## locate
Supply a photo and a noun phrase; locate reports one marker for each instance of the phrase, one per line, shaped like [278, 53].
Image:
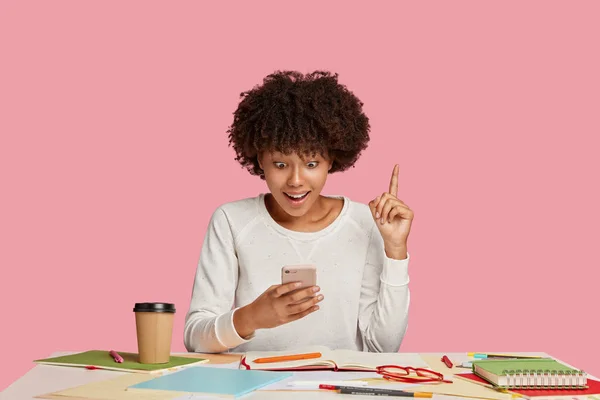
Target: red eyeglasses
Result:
[402, 374]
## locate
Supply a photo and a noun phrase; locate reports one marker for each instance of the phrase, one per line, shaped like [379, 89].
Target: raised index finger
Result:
[394, 181]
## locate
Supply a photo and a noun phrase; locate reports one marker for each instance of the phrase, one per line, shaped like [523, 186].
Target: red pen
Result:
[447, 361]
[116, 356]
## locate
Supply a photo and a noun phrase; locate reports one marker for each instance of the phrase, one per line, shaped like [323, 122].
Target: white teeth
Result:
[296, 196]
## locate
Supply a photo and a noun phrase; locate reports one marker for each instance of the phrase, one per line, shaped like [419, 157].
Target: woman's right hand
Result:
[278, 305]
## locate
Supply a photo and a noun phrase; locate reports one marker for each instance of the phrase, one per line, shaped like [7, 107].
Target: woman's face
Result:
[294, 182]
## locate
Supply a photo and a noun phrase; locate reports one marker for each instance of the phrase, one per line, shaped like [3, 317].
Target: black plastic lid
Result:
[154, 307]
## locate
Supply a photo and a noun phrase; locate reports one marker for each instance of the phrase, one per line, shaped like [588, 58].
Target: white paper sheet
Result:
[319, 377]
[233, 365]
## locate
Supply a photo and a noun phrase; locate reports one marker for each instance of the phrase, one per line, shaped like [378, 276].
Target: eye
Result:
[279, 165]
[313, 164]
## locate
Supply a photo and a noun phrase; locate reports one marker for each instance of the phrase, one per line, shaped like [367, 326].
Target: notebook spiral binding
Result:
[544, 379]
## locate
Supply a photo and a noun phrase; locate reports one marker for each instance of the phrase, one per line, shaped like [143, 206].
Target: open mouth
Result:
[297, 197]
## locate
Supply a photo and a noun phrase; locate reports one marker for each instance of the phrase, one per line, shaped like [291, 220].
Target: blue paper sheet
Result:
[207, 380]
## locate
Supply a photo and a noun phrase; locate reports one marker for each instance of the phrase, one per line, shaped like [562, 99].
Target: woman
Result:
[293, 131]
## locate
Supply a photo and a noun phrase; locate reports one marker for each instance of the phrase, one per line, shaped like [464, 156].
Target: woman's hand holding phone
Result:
[278, 305]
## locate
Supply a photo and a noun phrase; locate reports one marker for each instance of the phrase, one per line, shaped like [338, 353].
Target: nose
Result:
[295, 179]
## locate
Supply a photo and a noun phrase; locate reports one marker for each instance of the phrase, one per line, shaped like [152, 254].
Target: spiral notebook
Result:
[593, 389]
[530, 374]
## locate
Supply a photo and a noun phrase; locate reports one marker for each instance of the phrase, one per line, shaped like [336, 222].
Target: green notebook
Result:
[540, 373]
[101, 359]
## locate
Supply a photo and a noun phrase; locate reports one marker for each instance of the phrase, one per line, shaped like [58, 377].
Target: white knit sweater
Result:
[366, 293]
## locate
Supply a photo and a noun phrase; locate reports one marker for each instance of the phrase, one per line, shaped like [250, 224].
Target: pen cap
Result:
[154, 307]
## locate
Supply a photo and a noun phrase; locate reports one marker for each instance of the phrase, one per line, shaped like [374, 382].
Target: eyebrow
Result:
[278, 155]
[308, 160]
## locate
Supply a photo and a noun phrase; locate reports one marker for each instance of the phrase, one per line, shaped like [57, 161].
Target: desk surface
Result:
[44, 379]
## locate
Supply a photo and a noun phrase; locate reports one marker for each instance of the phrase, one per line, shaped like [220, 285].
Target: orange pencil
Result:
[292, 357]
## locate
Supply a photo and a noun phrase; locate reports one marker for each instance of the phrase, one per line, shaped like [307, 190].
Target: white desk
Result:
[44, 379]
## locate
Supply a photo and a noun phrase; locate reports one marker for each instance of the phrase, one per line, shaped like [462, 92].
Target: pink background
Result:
[114, 154]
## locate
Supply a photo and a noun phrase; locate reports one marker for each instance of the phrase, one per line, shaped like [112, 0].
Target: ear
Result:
[259, 158]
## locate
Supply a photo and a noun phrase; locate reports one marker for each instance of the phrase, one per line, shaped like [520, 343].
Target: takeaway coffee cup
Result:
[154, 325]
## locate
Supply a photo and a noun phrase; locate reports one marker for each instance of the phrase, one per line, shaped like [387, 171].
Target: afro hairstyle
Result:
[303, 114]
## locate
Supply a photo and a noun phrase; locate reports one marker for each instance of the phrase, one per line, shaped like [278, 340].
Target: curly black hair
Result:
[307, 114]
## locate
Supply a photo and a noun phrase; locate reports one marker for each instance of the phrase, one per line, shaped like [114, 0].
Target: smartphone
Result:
[305, 273]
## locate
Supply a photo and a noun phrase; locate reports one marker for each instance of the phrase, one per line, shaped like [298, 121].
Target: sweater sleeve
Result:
[384, 298]
[209, 322]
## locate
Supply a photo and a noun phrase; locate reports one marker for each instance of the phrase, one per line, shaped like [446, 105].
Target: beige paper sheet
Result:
[111, 389]
[115, 388]
[458, 387]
